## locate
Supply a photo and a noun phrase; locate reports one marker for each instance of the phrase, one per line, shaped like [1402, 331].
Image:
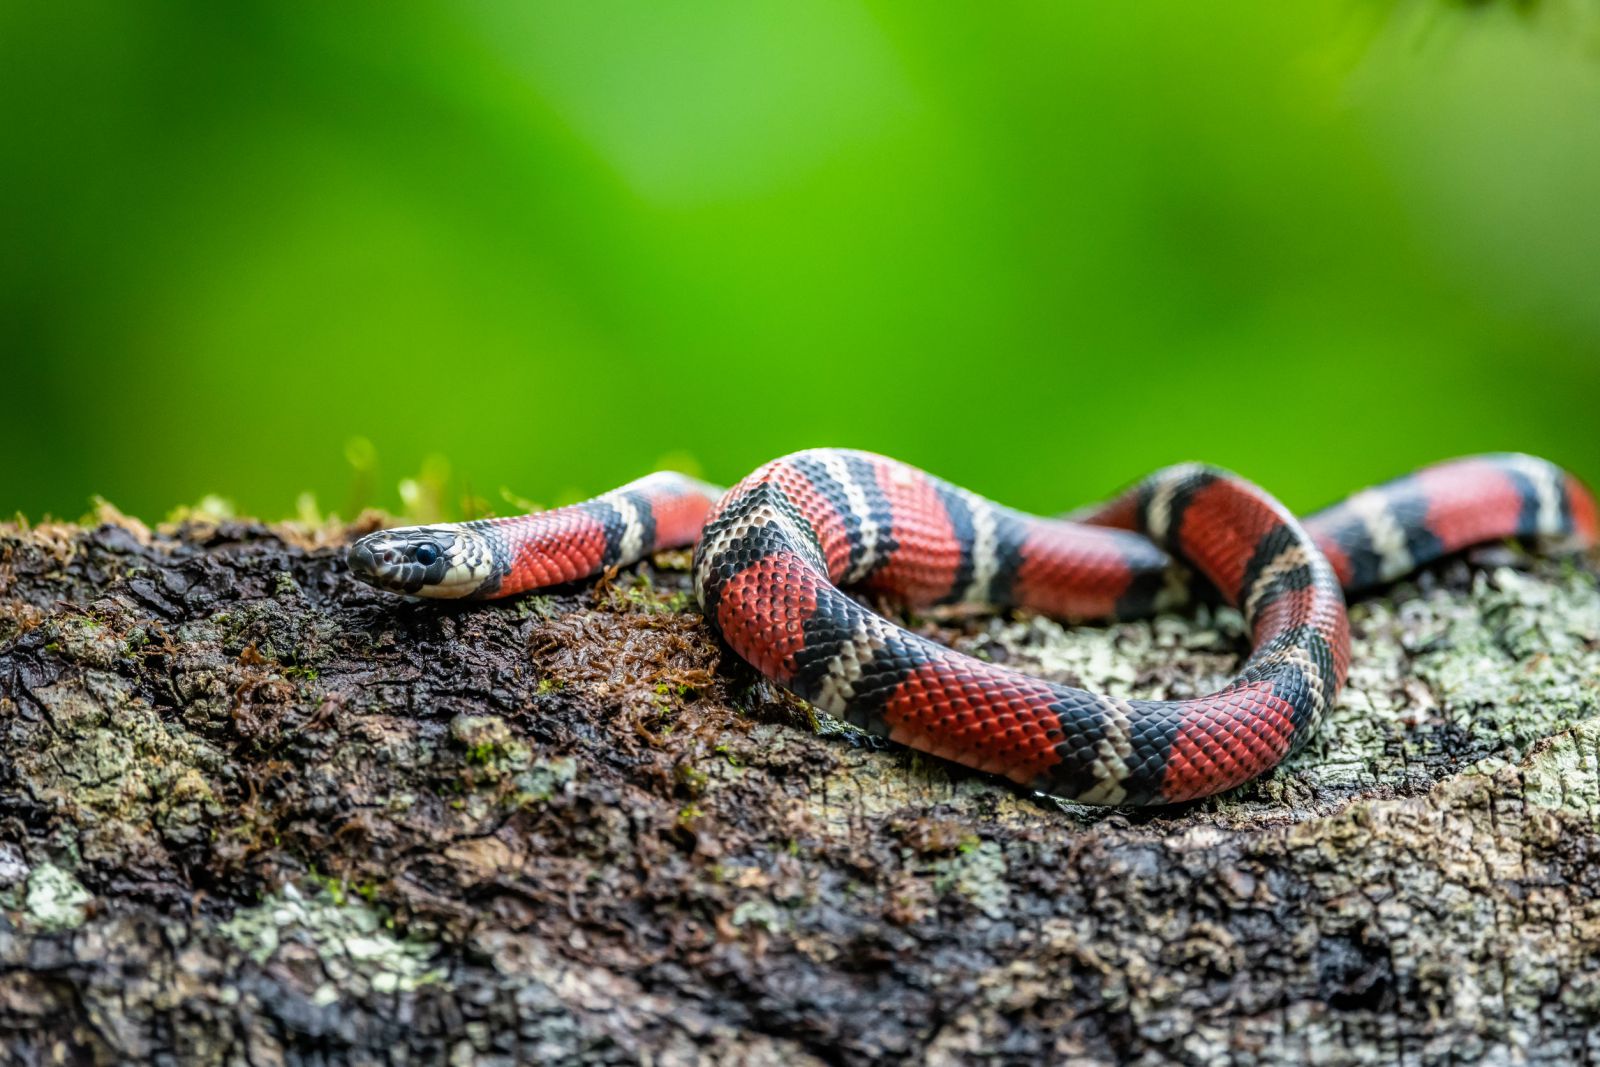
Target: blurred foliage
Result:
[463, 256]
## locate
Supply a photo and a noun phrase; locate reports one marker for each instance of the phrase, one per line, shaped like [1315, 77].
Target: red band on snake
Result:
[772, 553]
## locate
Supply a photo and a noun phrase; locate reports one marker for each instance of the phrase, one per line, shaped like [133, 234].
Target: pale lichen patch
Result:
[1520, 657]
[347, 938]
[1563, 772]
[545, 778]
[490, 744]
[977, 870]
[126, 772]
[55, 899]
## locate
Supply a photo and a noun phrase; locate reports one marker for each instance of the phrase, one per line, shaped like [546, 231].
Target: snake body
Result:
[772, 553]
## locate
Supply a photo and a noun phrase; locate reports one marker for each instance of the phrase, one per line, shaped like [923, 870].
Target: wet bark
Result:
[253, 812]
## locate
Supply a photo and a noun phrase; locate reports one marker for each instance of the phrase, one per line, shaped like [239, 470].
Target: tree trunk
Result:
[254, 812]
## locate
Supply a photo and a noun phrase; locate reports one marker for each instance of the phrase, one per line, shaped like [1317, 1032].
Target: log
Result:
[253, 812]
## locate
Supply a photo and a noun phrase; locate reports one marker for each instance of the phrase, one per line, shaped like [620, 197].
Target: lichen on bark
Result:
[253, 812]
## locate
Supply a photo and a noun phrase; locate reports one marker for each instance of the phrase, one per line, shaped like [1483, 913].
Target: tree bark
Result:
[252, 812]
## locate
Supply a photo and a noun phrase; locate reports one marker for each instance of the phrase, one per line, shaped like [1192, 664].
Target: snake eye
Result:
[427, 553]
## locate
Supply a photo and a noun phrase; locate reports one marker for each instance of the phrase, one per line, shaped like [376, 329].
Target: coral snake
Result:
[772, 552]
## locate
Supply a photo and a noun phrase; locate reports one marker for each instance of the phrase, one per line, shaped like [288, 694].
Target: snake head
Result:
[430, 561]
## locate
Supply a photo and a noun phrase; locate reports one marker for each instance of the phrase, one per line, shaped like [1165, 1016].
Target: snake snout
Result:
[362, 560]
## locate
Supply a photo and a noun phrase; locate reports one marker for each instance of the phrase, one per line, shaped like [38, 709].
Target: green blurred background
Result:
[527, 251]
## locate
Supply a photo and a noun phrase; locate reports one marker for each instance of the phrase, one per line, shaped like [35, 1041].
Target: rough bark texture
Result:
[253, 812]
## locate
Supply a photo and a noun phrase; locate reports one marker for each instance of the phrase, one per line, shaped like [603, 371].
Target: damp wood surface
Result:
[253, 812]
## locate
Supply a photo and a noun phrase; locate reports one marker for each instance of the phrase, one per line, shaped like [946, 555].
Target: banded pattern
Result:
[1385, 532]
[773, 551]
[502, 557]
[662, 510]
